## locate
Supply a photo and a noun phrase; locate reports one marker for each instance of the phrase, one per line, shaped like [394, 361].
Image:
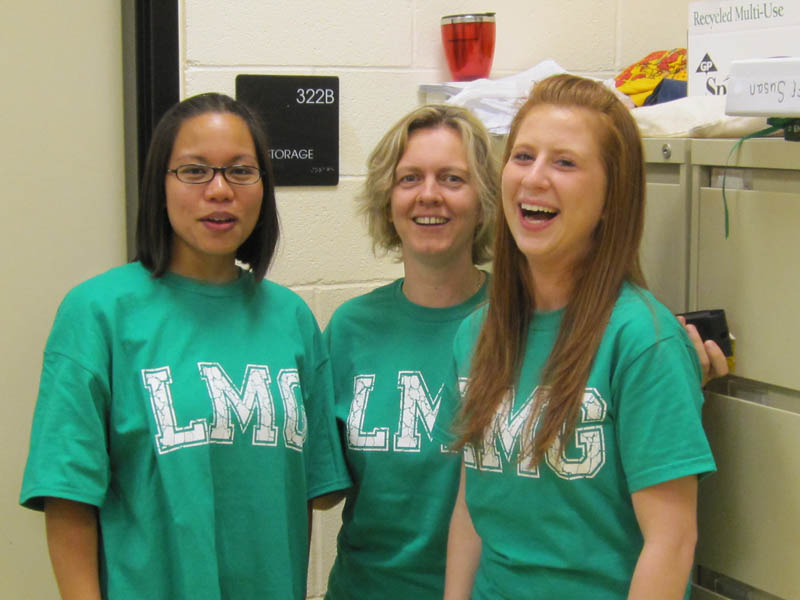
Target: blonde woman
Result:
[430, 198]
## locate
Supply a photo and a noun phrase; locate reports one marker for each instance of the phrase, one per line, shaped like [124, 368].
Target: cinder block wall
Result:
[382, 51]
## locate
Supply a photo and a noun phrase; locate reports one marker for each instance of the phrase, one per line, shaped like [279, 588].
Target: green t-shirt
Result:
[567, 528]
[198, 419]
[390, 361]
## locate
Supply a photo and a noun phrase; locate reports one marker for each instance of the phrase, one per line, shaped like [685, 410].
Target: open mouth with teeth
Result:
[219, 220]
[537, 212]
[430, 220]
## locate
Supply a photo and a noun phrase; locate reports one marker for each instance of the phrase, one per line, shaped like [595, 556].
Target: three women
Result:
[226, 485]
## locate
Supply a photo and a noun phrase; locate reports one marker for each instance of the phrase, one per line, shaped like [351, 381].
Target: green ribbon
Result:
[775, 124]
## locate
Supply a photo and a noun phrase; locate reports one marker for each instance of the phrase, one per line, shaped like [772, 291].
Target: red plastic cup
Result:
[469, 44]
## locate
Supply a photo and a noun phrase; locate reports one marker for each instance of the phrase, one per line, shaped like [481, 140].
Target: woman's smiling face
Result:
[554, 187]
[434, 206]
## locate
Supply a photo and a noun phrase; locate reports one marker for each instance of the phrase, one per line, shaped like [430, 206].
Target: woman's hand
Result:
[712, 359]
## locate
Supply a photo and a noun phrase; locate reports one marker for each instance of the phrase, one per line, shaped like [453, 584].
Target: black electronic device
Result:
[711, 325]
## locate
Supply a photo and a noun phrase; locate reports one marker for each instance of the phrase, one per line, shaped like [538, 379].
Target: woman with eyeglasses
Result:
[184, 418]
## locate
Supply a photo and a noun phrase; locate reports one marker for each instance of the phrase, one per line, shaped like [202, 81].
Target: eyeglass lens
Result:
[237, 174]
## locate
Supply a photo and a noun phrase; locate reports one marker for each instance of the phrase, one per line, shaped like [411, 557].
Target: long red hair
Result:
[612, 260]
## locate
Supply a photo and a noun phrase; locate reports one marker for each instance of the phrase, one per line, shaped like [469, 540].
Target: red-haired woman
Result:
[581, 420]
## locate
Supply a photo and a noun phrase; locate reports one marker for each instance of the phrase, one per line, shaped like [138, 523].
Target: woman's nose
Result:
[218, 188]
[536, 173]
[430, 191]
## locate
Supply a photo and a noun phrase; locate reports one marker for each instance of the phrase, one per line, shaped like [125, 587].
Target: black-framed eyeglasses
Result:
[235, 174]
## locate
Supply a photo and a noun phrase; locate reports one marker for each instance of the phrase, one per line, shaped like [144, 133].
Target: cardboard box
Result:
[764, 87]
[723, 31]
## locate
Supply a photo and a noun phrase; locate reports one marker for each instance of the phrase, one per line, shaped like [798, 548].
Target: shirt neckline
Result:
[447, 313]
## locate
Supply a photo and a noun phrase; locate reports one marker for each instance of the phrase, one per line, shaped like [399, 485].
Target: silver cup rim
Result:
[487, 17]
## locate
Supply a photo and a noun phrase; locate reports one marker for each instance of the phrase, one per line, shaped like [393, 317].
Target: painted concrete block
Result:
[307, 32]
[324, 240]
[371, 102]
[650, 26]
[328, 299]
[323, 548]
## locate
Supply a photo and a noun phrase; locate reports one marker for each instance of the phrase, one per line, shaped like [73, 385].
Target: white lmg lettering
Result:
[507, 426]
[228, 400]
[357, 438]
[418, 412]
[416, 406]
[506, 429]
[589, 439]
[469, 451]
[294, 427]
[170, 437]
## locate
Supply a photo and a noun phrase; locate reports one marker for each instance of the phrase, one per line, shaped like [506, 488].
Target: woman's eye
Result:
[241, 170]
[565, 162]
[523, 156]
[408, 178]
[193, 173]
[194, 170]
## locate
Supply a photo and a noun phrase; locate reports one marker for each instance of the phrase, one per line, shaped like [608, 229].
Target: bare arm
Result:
[72, 541]
[667, 516]
[463, 549]
[328, 501]
[310, 509]
[712, 359]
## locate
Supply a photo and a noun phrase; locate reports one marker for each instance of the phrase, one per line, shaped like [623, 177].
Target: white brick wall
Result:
[382, 51]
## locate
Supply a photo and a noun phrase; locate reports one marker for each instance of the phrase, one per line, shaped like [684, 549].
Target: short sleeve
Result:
[68, 455]
[659, 425]
[325, 462]
[456, 379]
[337, 343]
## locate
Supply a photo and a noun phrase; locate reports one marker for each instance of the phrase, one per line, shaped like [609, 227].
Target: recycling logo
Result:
[706, 65]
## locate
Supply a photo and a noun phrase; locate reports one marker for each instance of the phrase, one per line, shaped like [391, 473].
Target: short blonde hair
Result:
[376, 196]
